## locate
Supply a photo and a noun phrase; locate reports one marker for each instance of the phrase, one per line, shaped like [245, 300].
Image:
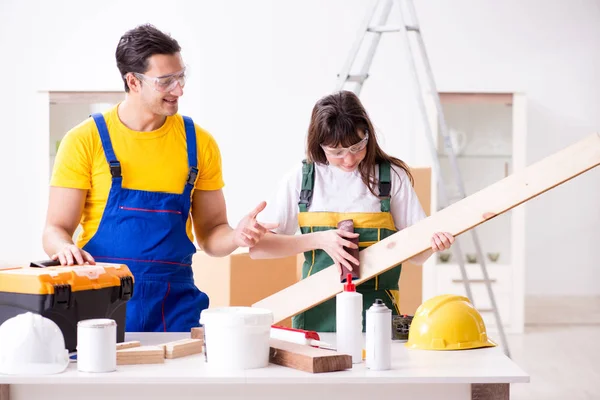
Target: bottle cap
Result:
[349, 286]
[379, 306]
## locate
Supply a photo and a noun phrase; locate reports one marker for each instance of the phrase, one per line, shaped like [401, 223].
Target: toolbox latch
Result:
[126, 288]
[62, 296]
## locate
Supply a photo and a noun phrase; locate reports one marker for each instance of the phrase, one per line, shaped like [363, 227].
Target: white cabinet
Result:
[488, 133]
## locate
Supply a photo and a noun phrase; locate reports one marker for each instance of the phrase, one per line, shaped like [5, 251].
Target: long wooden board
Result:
[307, 358]
[457, 218]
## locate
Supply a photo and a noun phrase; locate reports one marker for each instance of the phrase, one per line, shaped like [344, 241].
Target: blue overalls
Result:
[147, 232]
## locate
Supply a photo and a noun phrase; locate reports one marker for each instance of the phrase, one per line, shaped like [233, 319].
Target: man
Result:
[133, 176]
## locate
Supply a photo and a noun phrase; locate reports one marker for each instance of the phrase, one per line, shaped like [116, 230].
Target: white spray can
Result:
[378, 337]
[348, 315]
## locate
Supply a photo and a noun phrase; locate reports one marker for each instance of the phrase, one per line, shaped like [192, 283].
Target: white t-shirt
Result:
[336, 190]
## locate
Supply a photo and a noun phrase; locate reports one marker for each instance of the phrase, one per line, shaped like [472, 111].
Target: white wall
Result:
[259, 66]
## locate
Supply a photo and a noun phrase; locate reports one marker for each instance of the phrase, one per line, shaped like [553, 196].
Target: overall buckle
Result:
[385, 189]
[115, 169]
[305, 196]
[192, 175]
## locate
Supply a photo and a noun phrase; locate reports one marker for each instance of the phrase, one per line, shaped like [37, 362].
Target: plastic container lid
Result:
[96, 323]
[237, 316]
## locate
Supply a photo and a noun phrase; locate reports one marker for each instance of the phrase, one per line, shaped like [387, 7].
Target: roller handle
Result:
[45, 263]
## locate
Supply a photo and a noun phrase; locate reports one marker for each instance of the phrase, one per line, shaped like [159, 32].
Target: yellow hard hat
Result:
[447, 322]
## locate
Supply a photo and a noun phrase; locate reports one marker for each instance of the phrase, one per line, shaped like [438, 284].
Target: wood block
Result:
[141, 355]
[457, 218]
[128, 345]
[307, 358]
[182, 348]
[197, 333]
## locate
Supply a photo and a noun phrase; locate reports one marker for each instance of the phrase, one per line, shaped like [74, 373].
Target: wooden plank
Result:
[183, 348]
[457, 218]
[141, 355]
[128, 345]
[307, 358]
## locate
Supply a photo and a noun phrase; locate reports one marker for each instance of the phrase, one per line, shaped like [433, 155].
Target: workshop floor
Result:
[560, 349]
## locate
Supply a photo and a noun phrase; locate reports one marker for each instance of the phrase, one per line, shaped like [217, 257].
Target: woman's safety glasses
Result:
[164, 84]
[342, 152]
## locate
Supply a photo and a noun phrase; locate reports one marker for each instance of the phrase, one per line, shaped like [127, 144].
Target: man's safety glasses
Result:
[342, 152]
[164, 84]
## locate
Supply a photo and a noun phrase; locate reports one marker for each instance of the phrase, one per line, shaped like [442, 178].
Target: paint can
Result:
[378, 336]
[236, 338]
[97, 345]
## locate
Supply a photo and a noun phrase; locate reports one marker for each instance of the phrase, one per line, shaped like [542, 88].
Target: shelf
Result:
[475, 156]
[473, 265]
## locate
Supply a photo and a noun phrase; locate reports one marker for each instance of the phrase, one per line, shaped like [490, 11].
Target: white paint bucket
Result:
[236, 338]
[97, 345]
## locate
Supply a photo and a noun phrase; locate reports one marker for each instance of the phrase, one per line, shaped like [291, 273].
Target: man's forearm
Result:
[278, 246]
[218, 241]
[54, 239]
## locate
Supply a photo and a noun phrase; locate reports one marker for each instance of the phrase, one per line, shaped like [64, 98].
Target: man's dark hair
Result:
[137, 45]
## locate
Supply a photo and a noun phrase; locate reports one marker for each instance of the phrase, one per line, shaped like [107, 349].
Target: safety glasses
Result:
[164, 84]
[342, 152]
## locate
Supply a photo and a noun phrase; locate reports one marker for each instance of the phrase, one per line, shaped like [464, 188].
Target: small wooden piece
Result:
[307, 358]
[197, 333]
[476, 209]
[128, 345]
[182, 348]
[348, 226]
[141, 355]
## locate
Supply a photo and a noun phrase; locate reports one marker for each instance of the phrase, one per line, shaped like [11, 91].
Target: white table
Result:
[415, 374]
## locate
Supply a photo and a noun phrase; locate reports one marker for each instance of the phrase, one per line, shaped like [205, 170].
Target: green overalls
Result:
[371, 227]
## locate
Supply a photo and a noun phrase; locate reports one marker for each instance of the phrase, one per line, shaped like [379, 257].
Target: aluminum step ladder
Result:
[375, 27]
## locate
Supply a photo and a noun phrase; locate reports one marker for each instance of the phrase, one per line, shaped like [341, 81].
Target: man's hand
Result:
[249, 231]
[73, 255]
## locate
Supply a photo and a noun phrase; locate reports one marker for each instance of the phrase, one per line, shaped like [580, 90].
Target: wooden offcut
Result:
[141, 355]
[307, 358]
[128, 345]
[197, 333]
[457, 218]
[182, 348]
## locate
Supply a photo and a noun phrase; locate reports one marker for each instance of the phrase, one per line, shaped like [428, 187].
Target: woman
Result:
[346, 176]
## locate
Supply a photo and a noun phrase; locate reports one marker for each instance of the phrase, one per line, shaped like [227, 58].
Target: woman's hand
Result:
[441, 241]
[333, 242]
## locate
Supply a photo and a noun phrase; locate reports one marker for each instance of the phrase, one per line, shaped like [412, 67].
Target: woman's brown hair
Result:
[336, 120]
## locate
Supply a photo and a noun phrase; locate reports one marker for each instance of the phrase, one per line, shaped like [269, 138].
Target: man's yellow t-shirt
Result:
[153, 161]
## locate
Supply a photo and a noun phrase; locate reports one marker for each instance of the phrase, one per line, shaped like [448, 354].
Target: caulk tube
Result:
[378, 336]
[348, 315]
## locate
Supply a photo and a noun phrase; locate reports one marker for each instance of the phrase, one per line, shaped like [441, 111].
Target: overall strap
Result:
[308, 182]
[114, 164]
[385, 186]
[190, 135]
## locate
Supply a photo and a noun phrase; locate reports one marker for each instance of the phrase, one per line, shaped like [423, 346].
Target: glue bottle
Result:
[348, 314]
[378, 336]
